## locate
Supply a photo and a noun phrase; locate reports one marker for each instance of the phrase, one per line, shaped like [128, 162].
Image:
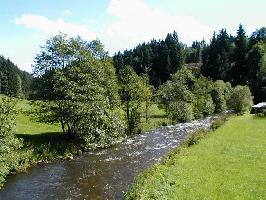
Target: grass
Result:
[26, 125]
[46, 142]
[157, 118]
[229, 164]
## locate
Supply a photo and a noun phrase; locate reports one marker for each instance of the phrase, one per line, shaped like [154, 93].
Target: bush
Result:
[180, 111]
[218, 122]
[9, 144]
[240, 100]
[195, 137]
[218, 96]
[262, 114]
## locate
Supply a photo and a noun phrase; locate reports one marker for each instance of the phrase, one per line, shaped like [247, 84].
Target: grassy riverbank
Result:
[229, 164]
[45, 141]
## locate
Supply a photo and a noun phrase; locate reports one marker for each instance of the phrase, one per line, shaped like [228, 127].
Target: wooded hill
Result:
[240, 60]
[13, 81]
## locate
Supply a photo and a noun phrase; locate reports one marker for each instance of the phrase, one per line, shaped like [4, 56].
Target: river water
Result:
[101, 174]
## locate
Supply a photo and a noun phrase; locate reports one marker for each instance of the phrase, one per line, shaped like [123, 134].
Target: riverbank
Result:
[104, 173]
[228, 164]
[45, 143]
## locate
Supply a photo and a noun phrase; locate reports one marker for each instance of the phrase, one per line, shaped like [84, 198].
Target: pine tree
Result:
[240, 70]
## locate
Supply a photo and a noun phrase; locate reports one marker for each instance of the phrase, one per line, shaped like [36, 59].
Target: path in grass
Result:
[229, 164]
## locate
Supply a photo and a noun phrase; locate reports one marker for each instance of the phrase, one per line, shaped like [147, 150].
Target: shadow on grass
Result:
[48, 146]
[44, 138]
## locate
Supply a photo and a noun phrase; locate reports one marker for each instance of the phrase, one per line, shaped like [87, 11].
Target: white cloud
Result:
[137, 22]
[50, 27]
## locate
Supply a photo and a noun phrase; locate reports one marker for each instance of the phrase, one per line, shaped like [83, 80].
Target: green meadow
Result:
[230, 163]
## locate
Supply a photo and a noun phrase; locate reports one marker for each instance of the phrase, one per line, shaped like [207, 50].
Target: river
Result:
[101, 174]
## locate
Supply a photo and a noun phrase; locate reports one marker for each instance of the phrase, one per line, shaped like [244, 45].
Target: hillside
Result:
[13, 81]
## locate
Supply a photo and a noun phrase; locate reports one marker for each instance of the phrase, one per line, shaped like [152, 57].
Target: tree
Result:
[240, 100]
[217, 57]
[83, 94]
[240, 70]
[257, 71]
[159, 58]
[177, 92]
[219, 95]
[13, 82]
[203, 104]
[18, 86]
[258, 36]
[10, 145]
[133, 92]
[147, 89]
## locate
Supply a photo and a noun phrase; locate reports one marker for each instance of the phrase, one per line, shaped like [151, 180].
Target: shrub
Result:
[240, 100]
[262, 114]
[218, 96]
[180, 111]
[9, 144]
[195, 137]
[218, 122]
[202, 102]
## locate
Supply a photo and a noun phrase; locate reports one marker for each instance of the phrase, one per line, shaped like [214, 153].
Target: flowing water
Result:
[102, 174]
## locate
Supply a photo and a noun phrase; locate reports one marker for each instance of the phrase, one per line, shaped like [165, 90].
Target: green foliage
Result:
[133, 90]
[262, 114]
[219, 122]
[82, 91]
[9, 144]
[203, 104]
[180, 111]
[217, 57]
[13, 82]
[195, 137]
[257, 70]
[240, 100]
[159, 58]
[176, 93]
[240, 68]
[186, 97]
[220, 94]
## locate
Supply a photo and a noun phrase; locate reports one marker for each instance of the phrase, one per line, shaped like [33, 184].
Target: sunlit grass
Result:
[229, 164]
[26, 125]
[157, 117]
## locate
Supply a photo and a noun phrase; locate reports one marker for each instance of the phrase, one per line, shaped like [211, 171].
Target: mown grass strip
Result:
[229, 164]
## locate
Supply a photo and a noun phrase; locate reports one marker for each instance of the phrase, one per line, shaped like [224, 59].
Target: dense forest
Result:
[240, 60]
[13, 81]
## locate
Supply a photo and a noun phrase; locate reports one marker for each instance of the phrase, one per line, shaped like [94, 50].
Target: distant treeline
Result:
[240, 60]
[13, 81]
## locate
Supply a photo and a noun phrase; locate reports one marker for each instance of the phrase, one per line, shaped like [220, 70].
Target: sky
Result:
[25, 25]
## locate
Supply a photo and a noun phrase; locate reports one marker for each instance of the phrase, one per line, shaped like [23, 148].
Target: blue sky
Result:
[119, 24]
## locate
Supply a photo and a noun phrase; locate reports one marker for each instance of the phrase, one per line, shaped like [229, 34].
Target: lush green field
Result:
[229, 164]
[26, 125]
[156, 118]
